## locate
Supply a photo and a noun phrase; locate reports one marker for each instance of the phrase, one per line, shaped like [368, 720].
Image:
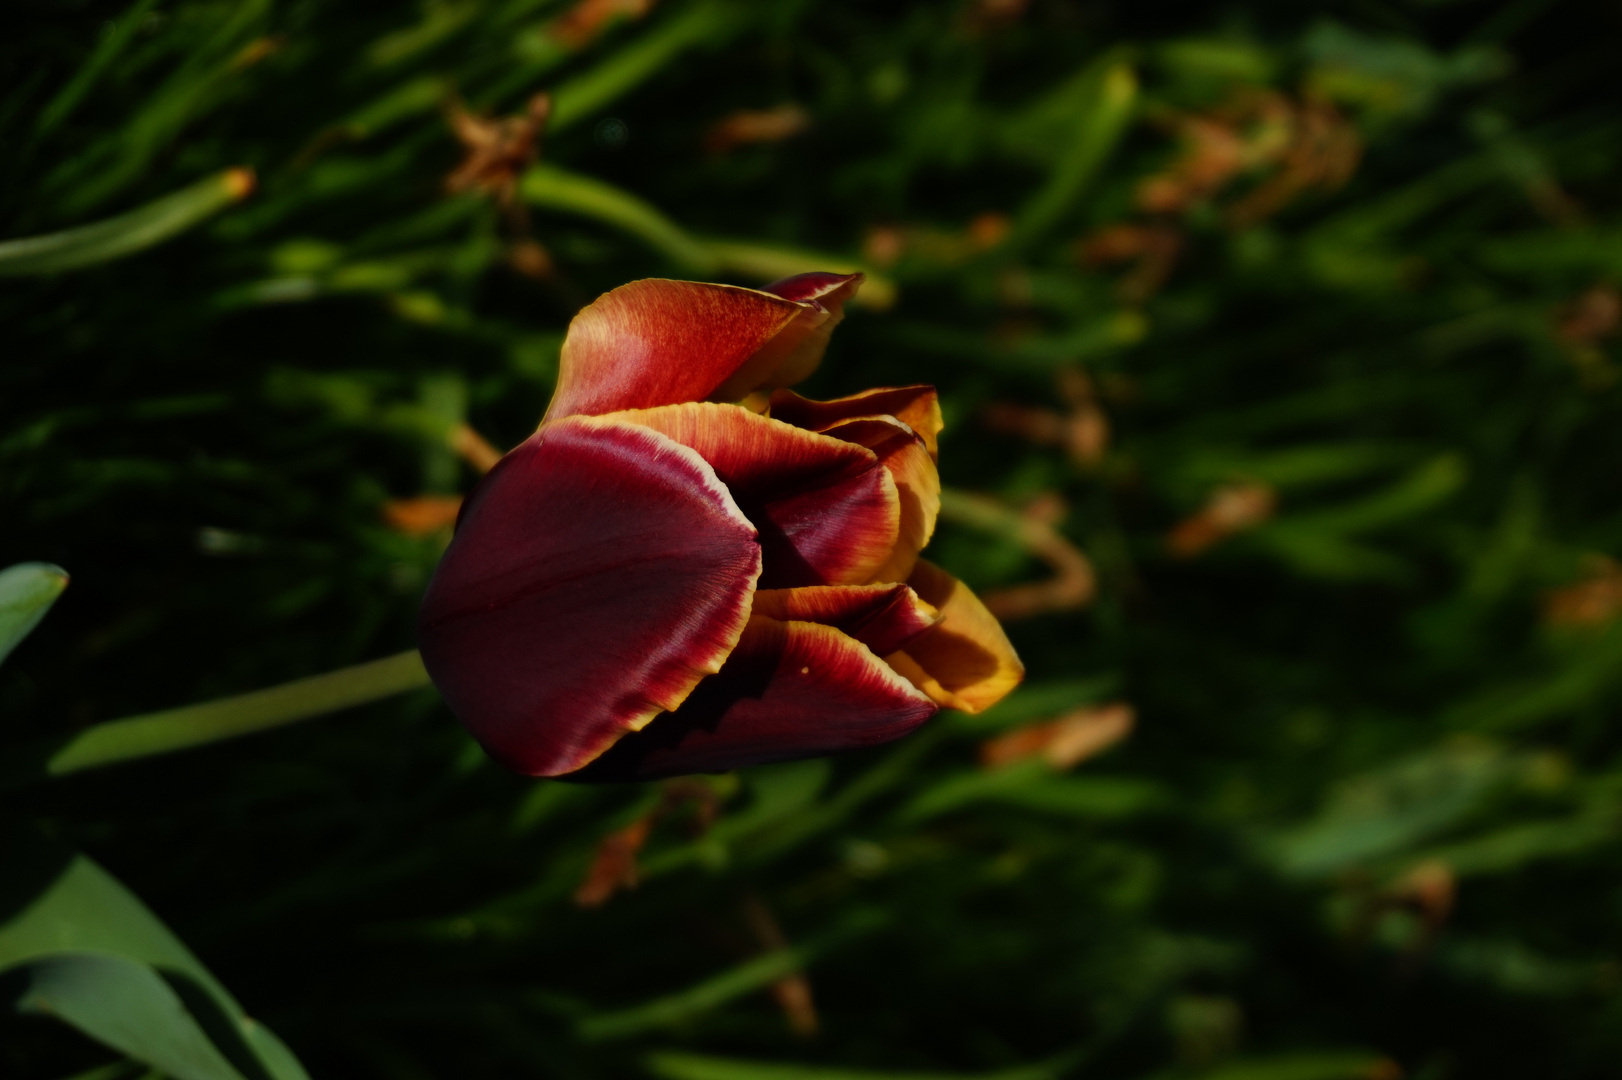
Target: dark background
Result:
[1351, 268]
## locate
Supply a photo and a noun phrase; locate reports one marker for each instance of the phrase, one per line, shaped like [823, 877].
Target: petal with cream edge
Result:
[789, 690]
[827, 509]
[915, 406]
[966, 661]
[662, 342]
[597, 574]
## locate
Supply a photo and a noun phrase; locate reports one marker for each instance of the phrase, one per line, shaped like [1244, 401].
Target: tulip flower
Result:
[664, 579]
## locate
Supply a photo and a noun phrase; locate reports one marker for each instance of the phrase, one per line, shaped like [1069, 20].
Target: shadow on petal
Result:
[966, 662]
[790, 690]
[827, 509]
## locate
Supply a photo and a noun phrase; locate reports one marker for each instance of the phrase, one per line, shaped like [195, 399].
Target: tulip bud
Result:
[660, 581]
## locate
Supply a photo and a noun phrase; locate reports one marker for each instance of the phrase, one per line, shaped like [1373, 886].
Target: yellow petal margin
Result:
[966, 662]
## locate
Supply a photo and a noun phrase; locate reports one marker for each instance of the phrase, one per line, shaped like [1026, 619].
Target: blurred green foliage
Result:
[1301, 322]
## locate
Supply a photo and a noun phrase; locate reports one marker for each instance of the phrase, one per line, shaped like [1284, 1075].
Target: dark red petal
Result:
[882, 617]
[966, 662]
[828, 289]
[827, 509]
[918, 485]
[790, 690]
[659, 342]
[915, 406]
[597, 574]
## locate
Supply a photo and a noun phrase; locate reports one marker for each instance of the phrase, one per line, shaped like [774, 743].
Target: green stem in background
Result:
[552, 188]
[128, 233]
[226, 718]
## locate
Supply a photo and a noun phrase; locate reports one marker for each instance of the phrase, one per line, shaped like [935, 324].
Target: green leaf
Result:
[54, 901]
[27, 592]
[127, 233]
[127, 1006]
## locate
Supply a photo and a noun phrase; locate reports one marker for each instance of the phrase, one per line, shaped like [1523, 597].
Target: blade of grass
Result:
[148, 735]
[128, 233]
[583, 95]
[1098, 128]
[113, 41]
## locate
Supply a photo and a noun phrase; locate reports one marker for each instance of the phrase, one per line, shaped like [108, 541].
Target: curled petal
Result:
[965, 662]
[828, 511]
[915, 406]
[597, 574]
[917, 481]
[882, 617]
[798, 351]
[659, 342]
[789, 690]
[830, 290]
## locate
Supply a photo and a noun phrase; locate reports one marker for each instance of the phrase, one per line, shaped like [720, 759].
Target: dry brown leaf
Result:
[989, 229]
[792, 992]
[1323, 152]
[1082, 431]
[1064, 742]
[1430, 887]
[423, 515]
[1154, 249]
[581, 24]
[1299, 145]
[613, 866]
[498, 150]
[884, 245]
[532, 260]
[1592, 602]
[1231, 509]
[1594, 315]
[748, 126]
[1073, 582]
[983, 16]
[473, 448]
[1213, 153]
